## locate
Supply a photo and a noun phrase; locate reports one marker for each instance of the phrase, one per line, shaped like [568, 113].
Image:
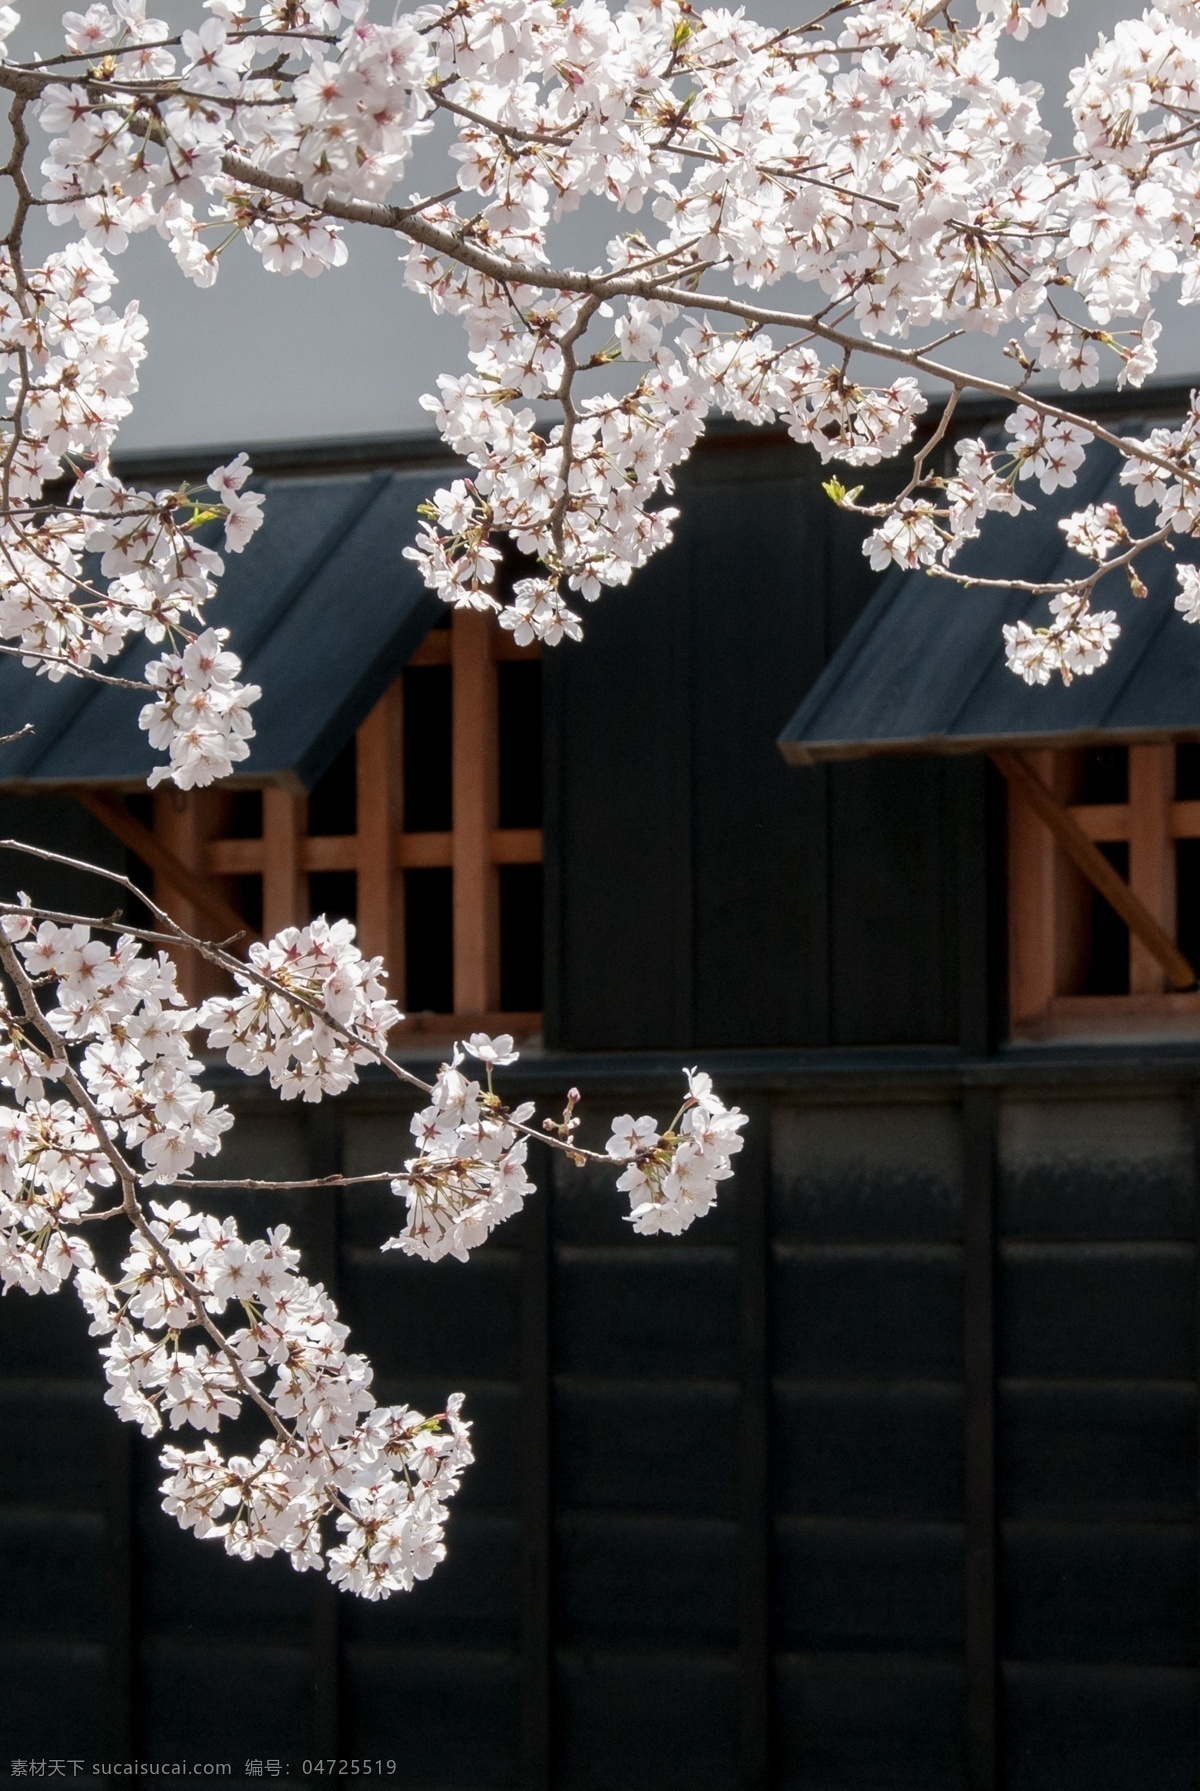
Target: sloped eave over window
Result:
[923, 668]
[323, 610]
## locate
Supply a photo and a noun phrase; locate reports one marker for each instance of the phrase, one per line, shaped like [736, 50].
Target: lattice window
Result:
[426, 832]
[1104, 890]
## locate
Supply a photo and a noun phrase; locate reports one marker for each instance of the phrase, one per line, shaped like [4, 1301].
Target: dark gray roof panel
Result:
[923, 668]
[359, 616]
[324, 610]
[48, 707]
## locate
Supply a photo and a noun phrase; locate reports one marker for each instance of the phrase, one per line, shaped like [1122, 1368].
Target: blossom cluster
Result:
[197, 1321]
[73, 363]
[384, 1473]
[313, 1008]
[878, 159]
[201, 713]
[126, 1011]
[672, 1178]
[1162, 484]
[469, 1173]
[1076, 642]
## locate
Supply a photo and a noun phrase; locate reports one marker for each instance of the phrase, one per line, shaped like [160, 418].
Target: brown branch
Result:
[456, 246]
[286, 1187]
[236, 967]
[506, 132]
[502, 269]
[128, 1180]
[72, 666]
[566, 399]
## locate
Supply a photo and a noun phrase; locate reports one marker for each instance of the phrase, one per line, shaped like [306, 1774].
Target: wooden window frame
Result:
[188, 855]
[1053, 857]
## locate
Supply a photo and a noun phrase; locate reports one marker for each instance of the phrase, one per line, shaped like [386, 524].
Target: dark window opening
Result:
[521, 938]
[513, 565]
[1187, 896]
[429, 940]
[138, 914]
[246, 894]
[334, 894]
[520, 714]
[428, 734]
[1187, 773]
[333, 800]
[1108, 953]
[1104, 775]
[245, 820]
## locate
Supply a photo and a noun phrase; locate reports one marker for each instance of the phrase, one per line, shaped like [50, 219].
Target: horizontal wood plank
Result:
[1175, 1001]
[318, 852]
[1184, 820]
[339, 852]
[1175, 1012]
[423, 851]
[508, 845]
[517, 845]
[1103, 820]
[233, 858]
[329, 852]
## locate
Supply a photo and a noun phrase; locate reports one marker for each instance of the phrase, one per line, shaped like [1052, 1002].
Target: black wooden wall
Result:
[700, 891]
[884, 1478]
[772, 1505]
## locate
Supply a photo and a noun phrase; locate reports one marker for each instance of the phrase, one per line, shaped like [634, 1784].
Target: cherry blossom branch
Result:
[603, 287]
[127, 1177]
[176, 936]
[457, 247]
[25, 654]
[984, 247]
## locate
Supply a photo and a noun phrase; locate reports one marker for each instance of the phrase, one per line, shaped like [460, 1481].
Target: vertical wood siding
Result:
[701, 892]
[755, 1508]
[883, 1478]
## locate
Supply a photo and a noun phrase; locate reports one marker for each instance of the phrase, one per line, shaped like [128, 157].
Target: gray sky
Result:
[259, 357]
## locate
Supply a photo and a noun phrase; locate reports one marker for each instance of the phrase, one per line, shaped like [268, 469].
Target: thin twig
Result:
[244, 971]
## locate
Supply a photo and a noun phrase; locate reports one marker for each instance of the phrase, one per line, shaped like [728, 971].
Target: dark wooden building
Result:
[884, 1477]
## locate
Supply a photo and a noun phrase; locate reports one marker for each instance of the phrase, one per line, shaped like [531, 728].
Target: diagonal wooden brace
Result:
[114, 814]
[1096, 868]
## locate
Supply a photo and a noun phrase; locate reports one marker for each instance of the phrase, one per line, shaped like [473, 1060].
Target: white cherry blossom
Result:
[880, 158]
[807, 223]
[199, 1322]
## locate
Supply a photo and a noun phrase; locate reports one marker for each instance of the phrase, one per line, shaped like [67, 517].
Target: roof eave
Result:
[825, 752]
